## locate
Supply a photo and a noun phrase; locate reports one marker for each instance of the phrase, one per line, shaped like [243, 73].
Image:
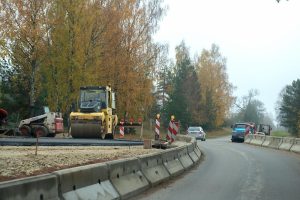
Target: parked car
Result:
[239, 130]
[197, 132]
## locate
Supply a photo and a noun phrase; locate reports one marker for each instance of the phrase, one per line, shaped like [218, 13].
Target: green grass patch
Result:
[218, 133]
[280, 134]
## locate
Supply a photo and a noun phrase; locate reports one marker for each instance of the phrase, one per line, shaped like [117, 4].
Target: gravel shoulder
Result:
[18, 162]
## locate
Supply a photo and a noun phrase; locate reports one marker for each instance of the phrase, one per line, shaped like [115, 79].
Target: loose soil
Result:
[18, 162]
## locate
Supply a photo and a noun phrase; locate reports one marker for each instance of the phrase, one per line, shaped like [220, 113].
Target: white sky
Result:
[259, 38]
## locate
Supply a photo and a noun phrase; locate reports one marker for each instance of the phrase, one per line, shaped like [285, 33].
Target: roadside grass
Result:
[280, 134]
[218, 133]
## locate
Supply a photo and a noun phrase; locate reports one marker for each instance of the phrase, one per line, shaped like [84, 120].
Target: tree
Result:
[56, 46]
[184, 97]
[251, 109]
[23, 30]
[215, 89]
[289, 108]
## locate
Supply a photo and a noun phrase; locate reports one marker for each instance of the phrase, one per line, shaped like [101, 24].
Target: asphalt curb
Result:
[119, 179]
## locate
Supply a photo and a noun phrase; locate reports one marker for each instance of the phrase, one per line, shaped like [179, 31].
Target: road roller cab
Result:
[96, 116]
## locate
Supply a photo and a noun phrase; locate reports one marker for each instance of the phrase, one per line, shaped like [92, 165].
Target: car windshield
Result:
[92, 95]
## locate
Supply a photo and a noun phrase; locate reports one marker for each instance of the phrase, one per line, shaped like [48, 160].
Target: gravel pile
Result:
[17, 162]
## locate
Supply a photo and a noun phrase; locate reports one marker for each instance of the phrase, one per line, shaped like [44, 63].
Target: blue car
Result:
[238, 132]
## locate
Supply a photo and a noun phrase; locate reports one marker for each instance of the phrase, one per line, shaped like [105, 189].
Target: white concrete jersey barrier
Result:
[184, 158]
[172, 162]
[296, 146]
[248, 138]
[197, 151]
[40, 187]
[184, 138]
[153, 168]
[272, 142]
[192, 153]
[86, 182]
[287, 143]
[257, 139]
[120, 179]
[127, 178]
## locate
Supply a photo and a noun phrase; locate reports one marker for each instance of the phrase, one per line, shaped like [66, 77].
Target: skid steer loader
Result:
[43, 124]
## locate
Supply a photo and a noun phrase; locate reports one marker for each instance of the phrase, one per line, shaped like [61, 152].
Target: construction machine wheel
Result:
[86, 129]
[40, 131]
[25, 130]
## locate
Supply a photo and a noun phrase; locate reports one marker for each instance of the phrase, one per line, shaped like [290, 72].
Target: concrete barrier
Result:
[172, 162]
[34, 188]
[267, 141]
[86, 182]
[197, 151]
[153, 168]
[257, 139]
[287, 143]
[192, 153]
[248, 138]
[126, 177]
[296, 146]
[272, 142]
[184, 158]
[184, 138]
[120, 179]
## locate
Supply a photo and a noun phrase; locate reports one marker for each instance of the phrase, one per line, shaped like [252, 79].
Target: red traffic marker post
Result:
[157, 127]
[170, 137]
[122, 128]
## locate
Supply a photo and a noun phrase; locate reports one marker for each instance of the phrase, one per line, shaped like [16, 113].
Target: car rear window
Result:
[240, 126]
[194, 129]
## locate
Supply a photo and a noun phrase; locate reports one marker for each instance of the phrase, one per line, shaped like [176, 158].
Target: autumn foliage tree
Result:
[215, 89]
[23, 30]
[59, 45]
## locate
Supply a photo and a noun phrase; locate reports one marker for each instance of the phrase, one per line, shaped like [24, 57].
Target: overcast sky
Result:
[259, 38]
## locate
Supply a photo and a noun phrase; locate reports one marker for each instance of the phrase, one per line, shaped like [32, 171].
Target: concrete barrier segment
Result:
[192, 153]
[267, 141]
[184, 158]
[258, 139]
[184, 138]
[197, 151]
[153, 168]
[287, 143]
[172, 162]
[86, 182]
[248, 138]
[275, 142]
[296, 146]
[33, 188]
[127, 177]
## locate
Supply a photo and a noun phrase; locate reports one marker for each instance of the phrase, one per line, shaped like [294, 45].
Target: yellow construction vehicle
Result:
[96, 117]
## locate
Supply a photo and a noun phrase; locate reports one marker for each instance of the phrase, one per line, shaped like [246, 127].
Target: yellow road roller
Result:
[96, 116]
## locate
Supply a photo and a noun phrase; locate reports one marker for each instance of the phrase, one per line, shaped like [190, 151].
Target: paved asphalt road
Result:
[235, 171]
[17, 141]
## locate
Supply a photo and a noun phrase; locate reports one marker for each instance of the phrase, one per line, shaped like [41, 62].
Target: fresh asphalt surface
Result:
[43, 141]
[235, 171]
